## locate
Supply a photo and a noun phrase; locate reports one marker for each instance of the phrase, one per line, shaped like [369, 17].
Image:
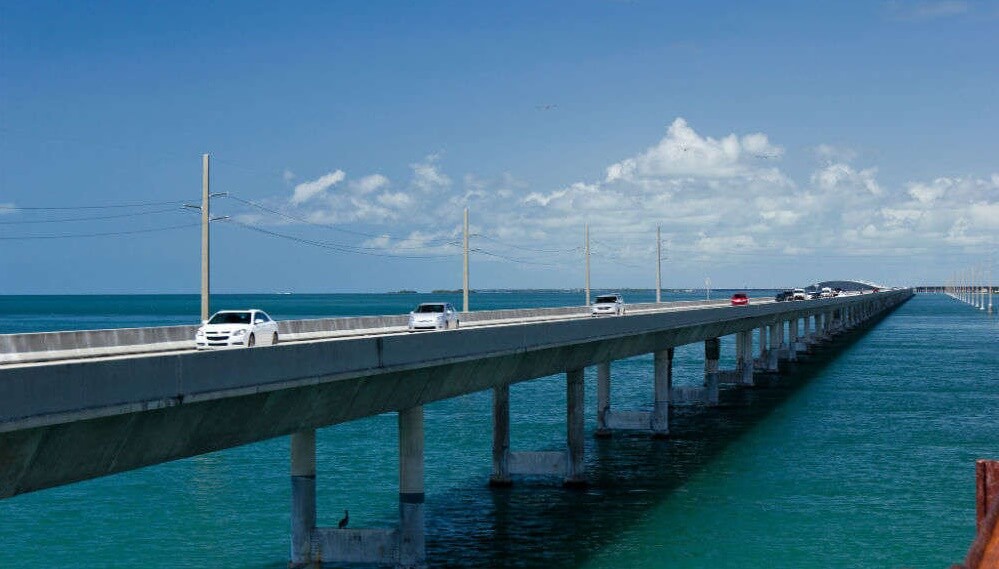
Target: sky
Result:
[774, 144]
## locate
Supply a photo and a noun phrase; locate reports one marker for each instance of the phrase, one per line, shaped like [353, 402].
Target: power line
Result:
[102, 234]
[90, 218]
[328, 226]
[333, 246]
[511, 259]
[83, 207]
[532, 250]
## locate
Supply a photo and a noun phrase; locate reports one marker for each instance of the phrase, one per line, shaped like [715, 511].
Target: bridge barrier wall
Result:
[48, 346]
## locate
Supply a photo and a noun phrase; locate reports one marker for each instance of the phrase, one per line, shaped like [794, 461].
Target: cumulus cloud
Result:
[683, 152]
[427, 176]
[718, 198]
[308, 190]
[369, 184]
[288, 175]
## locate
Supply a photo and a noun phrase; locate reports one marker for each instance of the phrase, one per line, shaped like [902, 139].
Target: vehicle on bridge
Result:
[799, 294]
[608, 304]
[740, 299]
[236, 329]
[784, 296]
[433, 316]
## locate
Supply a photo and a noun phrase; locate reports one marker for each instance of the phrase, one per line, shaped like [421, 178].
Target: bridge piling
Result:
[501, 437]
[412, 543]
[303, 496]
[575, 428]
[773, 353]
[603, 399]
[568, 463]
[663, 372]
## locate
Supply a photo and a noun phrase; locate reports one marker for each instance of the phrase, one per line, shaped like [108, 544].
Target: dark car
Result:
[784, 296]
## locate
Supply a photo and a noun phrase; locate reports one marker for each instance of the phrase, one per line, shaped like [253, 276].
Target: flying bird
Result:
[346, 519]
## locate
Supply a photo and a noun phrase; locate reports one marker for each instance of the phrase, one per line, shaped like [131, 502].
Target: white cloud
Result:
[683, 152]
[843, 178]
[6, 208]
[427, 177]
[369, 184]
[397, 200]
[308, 190]
[288, 175]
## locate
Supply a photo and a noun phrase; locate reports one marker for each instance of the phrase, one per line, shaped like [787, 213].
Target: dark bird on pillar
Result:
[346, 519]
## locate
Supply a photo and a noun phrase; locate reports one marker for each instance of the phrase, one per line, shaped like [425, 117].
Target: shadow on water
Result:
[538, 523]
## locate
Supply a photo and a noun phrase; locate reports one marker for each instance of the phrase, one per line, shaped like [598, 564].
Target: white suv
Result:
[608, 304]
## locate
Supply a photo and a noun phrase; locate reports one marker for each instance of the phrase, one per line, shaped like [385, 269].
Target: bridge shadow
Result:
[537, 523]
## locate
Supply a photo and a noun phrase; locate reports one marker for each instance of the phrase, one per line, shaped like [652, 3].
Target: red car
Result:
[740, 299]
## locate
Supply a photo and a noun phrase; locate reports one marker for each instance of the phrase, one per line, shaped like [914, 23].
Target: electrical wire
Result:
[90, 218]
[101, 234]
[333, 246]
[529, 249]
[328, 226]
[83, 207]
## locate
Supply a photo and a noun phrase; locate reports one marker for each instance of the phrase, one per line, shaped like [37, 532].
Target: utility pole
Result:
[659, 260]
[204, 237]
[586, 235]
[707, 287]
[464, 305]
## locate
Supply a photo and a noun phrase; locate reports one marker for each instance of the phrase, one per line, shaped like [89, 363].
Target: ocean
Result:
[860, 456]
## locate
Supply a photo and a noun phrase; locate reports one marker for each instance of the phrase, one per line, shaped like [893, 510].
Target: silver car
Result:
[608, 304]
[237, 329]
[433, 316]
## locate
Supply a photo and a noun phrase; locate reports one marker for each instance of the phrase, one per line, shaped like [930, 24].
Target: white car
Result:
[433, 316]
[237, 329]
[799, 294]
[608, 304]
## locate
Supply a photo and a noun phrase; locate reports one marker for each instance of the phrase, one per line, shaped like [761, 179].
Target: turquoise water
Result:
[864, 458]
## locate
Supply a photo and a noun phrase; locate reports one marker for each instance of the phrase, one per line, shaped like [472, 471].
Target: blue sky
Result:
[776, 143]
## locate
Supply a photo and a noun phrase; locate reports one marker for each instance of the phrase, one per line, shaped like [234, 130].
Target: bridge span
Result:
[64, 419]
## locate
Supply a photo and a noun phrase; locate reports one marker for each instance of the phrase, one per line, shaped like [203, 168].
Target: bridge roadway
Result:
[68, 420]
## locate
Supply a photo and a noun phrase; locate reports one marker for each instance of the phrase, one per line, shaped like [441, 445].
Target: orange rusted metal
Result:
[984, 552]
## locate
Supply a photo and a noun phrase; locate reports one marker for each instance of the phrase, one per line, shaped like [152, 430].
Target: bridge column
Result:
[412, 544]
[792, 341]
[746, 363]
[303, 496]
[712, 353]
[663, 362]
[761, 362]
[603, 399]
[501, 437]
[575, 431]
[775, 331]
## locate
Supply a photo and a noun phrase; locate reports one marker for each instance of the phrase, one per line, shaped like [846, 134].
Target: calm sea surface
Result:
[862, 458]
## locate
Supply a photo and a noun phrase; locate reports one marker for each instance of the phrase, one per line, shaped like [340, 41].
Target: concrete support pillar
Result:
[412, 544]
[303, 496]
[603, 399]
[501, 437]
[774, 331]
[792, 332]
[746, 364]
[712, 353]
[575, 473]
[663, 387]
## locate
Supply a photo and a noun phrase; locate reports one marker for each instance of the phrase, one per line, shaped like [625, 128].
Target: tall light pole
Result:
[707, 287]
[464, 304]
[659, 260]
[204, 237]
[586, 236]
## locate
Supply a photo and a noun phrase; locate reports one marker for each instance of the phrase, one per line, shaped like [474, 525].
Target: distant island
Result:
[404, 291]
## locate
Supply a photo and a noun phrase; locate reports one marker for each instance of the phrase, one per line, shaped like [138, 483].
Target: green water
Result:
[859, 458]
